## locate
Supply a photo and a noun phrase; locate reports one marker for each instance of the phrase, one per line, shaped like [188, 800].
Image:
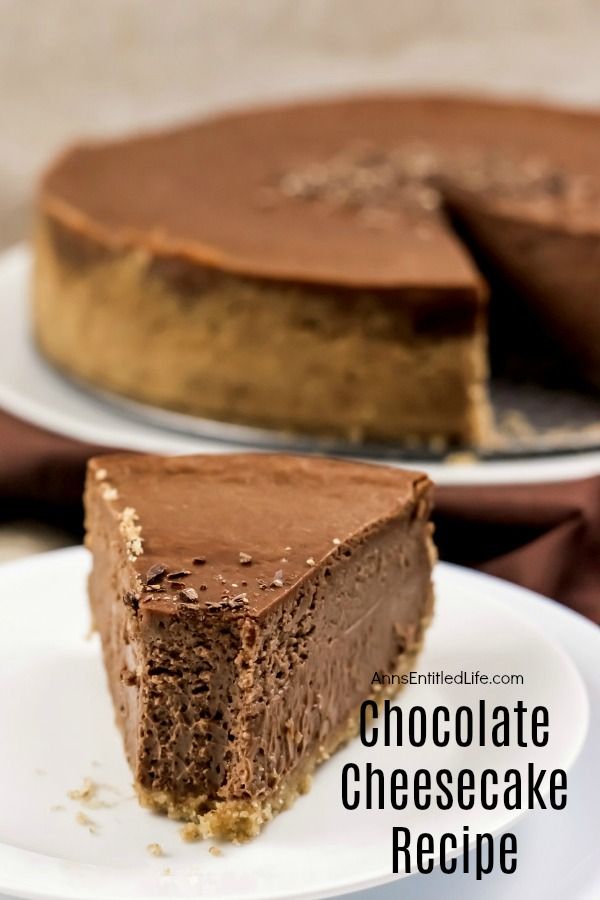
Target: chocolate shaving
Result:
[278, 579]
[155, 573]
[199, 560]
[154, 596]
[189, 593]
[132, 601]
[180, 573]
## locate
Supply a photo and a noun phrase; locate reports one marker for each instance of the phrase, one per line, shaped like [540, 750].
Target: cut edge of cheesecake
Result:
[241, 820]
[542, 264]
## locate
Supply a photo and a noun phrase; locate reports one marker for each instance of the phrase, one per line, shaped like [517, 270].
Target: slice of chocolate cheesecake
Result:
[244, 603]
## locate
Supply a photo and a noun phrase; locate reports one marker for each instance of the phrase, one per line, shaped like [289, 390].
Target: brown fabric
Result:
[543, 536]
[41, 474]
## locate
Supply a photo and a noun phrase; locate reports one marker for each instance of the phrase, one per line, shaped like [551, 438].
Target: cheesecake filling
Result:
[228, 704]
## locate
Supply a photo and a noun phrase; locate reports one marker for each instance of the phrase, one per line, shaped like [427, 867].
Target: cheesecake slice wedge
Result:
[244, 604]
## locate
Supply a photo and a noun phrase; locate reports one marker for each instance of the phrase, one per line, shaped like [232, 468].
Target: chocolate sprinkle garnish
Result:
[203, 587]
[147, 598]
[189, 593]
[175, 576]
[178, 585]
[155, 573]
[132, 601]
[278, 579]
[199, 560]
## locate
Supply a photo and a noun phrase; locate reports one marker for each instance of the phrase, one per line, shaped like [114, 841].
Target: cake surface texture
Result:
[309, 267]
[244, 604]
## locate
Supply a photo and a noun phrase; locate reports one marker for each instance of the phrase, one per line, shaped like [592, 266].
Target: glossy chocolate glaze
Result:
[191, 192]
[201, 517]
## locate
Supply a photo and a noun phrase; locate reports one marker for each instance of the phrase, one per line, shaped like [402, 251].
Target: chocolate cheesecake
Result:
[244, 604]
[299, 267]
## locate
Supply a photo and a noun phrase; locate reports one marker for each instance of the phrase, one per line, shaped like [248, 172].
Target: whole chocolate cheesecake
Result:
[244, 603]
[300, 268]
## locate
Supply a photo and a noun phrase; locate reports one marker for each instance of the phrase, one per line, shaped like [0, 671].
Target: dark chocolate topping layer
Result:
[341, 192]
[238, 532]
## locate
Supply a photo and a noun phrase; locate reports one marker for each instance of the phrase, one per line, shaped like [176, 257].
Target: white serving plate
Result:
[58, 728]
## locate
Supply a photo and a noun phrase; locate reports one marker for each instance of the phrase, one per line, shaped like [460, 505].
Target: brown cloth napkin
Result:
[545, 537]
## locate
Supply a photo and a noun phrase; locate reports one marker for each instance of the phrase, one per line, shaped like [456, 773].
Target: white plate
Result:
[31, 389]
[57, 721]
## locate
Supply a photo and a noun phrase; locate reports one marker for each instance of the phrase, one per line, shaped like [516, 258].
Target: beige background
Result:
[71, 67]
